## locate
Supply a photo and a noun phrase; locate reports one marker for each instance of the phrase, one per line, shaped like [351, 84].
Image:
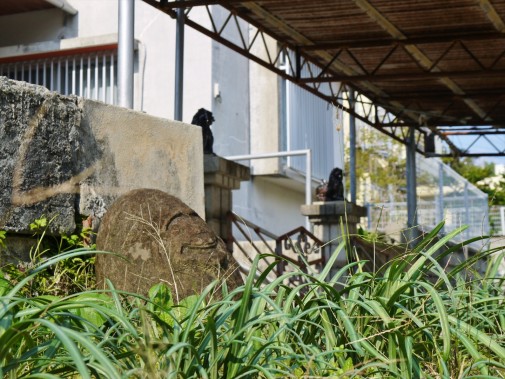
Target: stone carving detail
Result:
[163, 240]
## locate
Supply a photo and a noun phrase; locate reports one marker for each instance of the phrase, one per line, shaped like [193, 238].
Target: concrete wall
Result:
[230, 76]
[279, 210]
[265, 114]
[139, 151]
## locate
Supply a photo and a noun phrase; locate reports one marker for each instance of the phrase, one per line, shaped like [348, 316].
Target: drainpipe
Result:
[63, 5]
[440, 212]
[179, 64]
[125, 53]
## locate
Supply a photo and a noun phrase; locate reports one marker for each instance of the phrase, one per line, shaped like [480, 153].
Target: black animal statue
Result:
[335, 186]
[205, 119]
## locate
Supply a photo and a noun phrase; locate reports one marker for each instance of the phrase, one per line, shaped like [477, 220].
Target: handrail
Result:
[299, 240]
[308, 168]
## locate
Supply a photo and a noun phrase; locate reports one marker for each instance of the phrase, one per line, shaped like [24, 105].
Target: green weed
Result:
[397, 322]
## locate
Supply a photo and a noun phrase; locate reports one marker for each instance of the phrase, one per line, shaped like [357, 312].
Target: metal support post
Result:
[411, 188]
[467, 210]
[502, 220]
[440, 213]
[125, 52]
[179, 64]
[487, 229]
[352, 151]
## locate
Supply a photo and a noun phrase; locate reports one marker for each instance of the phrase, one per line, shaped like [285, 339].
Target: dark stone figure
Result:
[335, 186]
[205, 119]
[321, 191]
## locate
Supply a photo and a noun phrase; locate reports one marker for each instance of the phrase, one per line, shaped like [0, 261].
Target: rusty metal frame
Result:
[333, 81]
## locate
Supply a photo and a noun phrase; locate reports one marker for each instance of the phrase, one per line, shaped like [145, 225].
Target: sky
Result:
[483, 145]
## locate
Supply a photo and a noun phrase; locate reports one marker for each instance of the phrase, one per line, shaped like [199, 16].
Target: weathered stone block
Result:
[224, 173]
[333, 222]
[38, 148]
[221, 177]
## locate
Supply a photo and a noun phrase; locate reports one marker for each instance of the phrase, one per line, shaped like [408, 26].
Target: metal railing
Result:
[90, 74]
[382, 216]
[497, 220]
[297, 249]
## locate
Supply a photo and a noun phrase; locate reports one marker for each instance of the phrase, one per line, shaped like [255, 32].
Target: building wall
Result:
[155, 70]
[30, 27]
[265, 114]
[271, 204]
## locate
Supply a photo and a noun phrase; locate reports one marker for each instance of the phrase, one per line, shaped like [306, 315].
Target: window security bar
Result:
[92, 75]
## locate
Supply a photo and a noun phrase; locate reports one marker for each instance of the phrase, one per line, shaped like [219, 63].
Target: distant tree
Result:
[467, 168]
[380, 161]
[482, 176]
[496, 193]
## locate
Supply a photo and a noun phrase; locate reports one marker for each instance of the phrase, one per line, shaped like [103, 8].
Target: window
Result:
[88, 72]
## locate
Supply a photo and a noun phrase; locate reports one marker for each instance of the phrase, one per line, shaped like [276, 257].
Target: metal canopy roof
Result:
[437, 66]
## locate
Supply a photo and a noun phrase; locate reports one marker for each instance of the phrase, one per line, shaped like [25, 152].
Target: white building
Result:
[74, 51]
[499, 169]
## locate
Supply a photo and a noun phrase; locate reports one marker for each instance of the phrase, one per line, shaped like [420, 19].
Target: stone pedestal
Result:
[221, 176]
[332, 221]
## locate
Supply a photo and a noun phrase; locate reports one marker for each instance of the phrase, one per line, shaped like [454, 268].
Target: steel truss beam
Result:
[328, 81]
[485, 36]
[405, 76]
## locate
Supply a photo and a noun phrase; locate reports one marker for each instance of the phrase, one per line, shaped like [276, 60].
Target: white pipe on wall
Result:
[125, 53]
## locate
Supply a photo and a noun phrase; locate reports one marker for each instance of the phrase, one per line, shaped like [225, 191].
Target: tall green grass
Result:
[397, 322]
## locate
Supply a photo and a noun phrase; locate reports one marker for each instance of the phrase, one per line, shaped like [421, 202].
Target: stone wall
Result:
[65, 157]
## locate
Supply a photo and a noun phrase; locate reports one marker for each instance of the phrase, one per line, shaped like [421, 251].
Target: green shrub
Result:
[65, 277]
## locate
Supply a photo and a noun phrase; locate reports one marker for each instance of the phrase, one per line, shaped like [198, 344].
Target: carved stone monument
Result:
[204, 119]
[163, 240]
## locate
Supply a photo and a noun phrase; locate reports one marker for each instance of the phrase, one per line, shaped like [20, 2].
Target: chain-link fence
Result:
[497, 220]
[442, 195]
